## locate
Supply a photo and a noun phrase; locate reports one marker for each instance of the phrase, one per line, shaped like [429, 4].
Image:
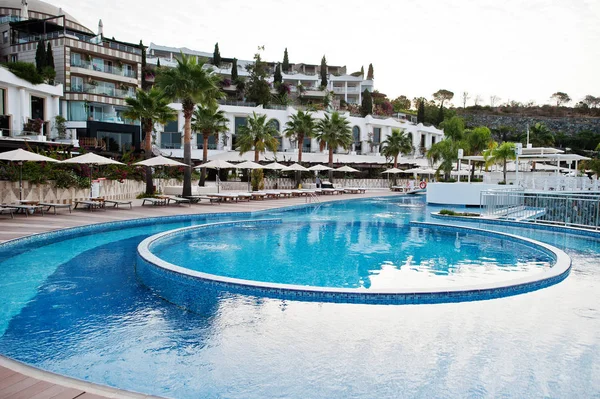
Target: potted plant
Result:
[60, 124]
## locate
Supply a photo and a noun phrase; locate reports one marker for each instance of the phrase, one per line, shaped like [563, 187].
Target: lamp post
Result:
[460, 157]
[518, 151]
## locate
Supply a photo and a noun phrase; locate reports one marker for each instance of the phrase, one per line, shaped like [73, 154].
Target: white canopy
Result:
[297, 166]
[319, 167]
[160, 161]
[92, 159]
[275, 166]
[393, 171]
[20, 155]
[346, 168]
[217, 164]
[249, 165]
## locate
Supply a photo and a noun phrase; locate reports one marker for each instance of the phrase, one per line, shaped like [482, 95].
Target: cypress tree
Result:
[440, 117]
[217, 56]
[277, 78]
[323, 72]
[234, 71]
[366, 107]
[370, 75]
[285, 67]
[421, 112]
[158, 63]
[362, 71]
[40, 56]
[49, 56]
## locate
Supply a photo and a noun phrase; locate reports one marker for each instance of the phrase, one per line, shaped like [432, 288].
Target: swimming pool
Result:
[79, 310]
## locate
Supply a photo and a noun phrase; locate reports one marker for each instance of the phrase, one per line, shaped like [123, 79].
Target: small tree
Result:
[258, 89]
[49, 56]
[362, 70]
[395, 144]
[257, 181]
[334, 130]
[60, 124]
[561, 98]
[40, 56]
[258, 135]
[158, 63]
[465, 97]
[323, 72]
[277, 78]
[217, 56]
[366, 106]
[421, 112]
[443, 95]
[500, 154]
[285, 67]
[234, 71]
[370, 75]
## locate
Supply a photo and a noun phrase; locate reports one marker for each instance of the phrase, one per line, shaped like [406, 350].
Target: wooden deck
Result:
[19, 381]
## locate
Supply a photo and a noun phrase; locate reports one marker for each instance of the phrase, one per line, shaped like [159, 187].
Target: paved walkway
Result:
[18, 381]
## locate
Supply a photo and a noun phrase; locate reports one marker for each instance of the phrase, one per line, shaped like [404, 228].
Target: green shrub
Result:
[257, 181]
[447, 212]
[26, 71]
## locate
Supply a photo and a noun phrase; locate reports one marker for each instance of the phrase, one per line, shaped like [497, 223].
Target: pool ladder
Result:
[312, 197]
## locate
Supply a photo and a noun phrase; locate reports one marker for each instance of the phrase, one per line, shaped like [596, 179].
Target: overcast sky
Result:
[521, 50]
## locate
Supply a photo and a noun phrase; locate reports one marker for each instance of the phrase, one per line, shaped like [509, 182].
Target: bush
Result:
[449, 212]
[257, 181]
[26, 71]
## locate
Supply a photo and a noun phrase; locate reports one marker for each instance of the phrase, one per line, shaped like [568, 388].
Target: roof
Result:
[345, 78]
[177, 50]
[38, 6]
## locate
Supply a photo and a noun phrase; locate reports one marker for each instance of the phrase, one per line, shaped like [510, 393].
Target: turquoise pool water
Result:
[76, 307]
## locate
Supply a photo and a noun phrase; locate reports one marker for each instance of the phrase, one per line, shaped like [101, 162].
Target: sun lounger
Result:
[91, 205]
[258, 195]
[330, 191]
[155, 201]
[224, 197]
[272, 193]
[195, 199]
[179, 200]
[27, 209]
[243, 196]
[4, 210]
[401, 189]
[49, 206]
[354, 190]
[117, 203]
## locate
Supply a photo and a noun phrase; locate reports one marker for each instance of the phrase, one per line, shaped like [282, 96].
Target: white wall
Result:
[18, 99]
[457, 193]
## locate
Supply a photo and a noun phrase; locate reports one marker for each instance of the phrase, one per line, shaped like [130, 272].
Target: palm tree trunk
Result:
[256, 156]
[148, 155]
[331, 164]
[396, 161]
[298, 173]
[187, 151]
[204, 158]
[504, 171]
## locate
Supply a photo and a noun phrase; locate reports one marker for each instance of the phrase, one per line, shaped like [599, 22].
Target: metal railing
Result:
[566, 209]
[129, 73]
[102, 90]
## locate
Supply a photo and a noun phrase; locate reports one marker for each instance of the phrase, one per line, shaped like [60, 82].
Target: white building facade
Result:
[368, 134]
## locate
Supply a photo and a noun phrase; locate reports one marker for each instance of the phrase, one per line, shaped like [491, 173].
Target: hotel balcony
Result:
[349, 90]
[103, 91]
[104, 71]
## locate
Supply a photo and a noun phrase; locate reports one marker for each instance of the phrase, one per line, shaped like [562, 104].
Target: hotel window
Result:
[75, 59]
[98, 64]
[77, 84]
[212, 141]
[77, 111]
[306, 146]
[14, 57]
[238, 122]
[356, 139]
[2, 100]
[376, 135]
[171, 137]
[5, 37]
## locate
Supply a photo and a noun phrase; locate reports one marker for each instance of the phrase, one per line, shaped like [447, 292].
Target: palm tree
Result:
[395, 144]
[476, 141]
[500, 154]
[149, 107]
[300, 126]
[208, 120]
[258, 135]
[335, 131]
[190, 84]
[445, 152]
[540, 135]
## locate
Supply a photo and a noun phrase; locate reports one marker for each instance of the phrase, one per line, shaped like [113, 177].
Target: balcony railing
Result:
[350, 90]
[103, 91]
[129, 73]
[237, 103]
[24, 38]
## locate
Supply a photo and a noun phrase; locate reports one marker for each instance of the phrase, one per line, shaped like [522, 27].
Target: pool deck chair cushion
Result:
[55, 206]
[91, 205]
[155, 201]
[117, 203]
[10, 211]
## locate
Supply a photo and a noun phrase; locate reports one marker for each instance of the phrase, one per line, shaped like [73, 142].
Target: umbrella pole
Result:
[20, 181]
[218, 181]
[248, 179]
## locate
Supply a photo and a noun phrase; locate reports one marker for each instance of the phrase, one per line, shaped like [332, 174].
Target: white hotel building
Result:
[368, 132]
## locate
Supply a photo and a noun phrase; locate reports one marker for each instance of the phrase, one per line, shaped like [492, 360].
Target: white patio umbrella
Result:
[346, 168]
[92, 159]
[275, 166]
[249, 165]
[217, 164]
[319, 168]
[393, 171]
[19, 155]
[160, 161]
[299, 167]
